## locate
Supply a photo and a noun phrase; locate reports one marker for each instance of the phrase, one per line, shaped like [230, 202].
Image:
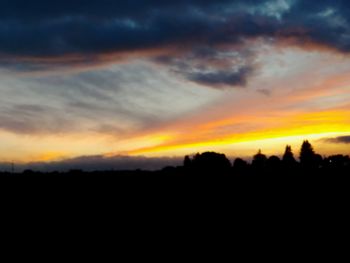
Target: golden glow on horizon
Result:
[271, 134]
[302, 126]
[244, 148]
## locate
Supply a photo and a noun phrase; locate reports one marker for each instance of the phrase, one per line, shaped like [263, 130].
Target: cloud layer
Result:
[96, 163]
[117, 100]
[37, 34]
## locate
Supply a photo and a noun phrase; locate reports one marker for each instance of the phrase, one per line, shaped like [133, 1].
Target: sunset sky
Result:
[160, 78]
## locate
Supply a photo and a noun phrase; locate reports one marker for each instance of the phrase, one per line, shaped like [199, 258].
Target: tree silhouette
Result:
[187, 162]
[211, 162]
[288, 159]
[336, 162]
[259, 160]
[318, 160]
[240, 166]
[307, 155]
[288, 155]
[273, 163]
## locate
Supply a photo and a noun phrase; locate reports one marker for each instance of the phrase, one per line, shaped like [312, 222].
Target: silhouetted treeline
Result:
[211, 165]
[310, 163]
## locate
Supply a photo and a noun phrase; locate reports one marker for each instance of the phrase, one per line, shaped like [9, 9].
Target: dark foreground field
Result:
[178, 199]
[177, 179]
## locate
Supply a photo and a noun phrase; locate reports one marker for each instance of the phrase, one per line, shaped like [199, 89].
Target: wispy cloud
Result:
[340, 139]
[114, 100]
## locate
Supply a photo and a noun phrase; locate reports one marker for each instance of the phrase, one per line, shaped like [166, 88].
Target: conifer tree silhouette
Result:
[288, 159]
[307, 155]
[288, 156]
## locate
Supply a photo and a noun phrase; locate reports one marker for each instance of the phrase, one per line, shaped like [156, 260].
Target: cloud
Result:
[340, 139]
[45, 29]
[97, 163]
[107, 101]
[218, 68]
[33, 35]
[222, 78]
[51, 29]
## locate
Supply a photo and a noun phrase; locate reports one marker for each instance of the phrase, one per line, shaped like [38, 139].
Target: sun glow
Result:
[292, 130]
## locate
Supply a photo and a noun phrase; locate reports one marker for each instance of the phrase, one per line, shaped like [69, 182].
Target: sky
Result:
[162, 79]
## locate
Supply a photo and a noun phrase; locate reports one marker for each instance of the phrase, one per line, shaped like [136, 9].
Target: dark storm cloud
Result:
[47, 28]
[50, 29]
[340, 139]
[222, 78]
[42, 28]
[212, 67]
